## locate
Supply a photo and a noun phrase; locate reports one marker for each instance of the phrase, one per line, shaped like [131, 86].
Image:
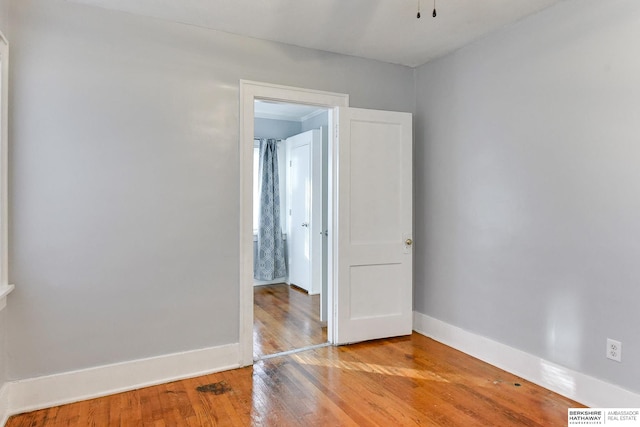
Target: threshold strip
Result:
[294, 351]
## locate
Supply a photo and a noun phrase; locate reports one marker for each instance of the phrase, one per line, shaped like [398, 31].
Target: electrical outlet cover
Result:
[614, 350]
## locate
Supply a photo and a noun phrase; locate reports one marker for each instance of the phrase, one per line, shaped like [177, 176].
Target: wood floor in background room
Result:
[285, 318]
[406, 381]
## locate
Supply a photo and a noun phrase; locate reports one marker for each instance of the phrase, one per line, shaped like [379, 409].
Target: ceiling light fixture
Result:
[434, 9]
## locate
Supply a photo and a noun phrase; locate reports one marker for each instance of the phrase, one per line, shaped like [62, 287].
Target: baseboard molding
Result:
[4, 404]
[257, 283]
[43, 392]
[575, 385]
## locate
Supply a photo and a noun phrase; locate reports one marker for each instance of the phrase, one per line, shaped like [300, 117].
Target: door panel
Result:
[374, 265]
[375, 199]
[369, 296]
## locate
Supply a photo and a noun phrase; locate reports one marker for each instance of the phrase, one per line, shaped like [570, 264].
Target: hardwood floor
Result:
[285, 318]
[406, 381]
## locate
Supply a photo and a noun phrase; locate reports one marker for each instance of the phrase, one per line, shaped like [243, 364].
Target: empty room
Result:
[365, 212]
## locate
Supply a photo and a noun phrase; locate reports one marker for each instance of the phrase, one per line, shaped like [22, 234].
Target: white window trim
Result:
[5, 287]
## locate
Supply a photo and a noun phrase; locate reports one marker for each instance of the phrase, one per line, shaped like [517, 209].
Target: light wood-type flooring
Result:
[285, 318]
[405, 381]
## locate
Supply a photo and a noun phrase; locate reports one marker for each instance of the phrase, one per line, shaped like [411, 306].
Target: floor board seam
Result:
[289, 352]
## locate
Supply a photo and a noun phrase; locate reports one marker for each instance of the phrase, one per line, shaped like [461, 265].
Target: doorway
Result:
[249, 93]
[370, 226]
[289, 183]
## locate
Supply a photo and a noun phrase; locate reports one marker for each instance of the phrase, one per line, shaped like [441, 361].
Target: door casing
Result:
[249, 92]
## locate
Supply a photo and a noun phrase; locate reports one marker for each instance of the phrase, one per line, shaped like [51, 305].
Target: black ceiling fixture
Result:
[434, 10]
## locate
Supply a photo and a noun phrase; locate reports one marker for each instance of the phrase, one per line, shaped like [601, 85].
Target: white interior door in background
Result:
[305, 211]
[374, 199]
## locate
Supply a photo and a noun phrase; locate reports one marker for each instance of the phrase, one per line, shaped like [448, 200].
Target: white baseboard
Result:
[4, 404]
[270, 282]
[582, 388]
[43, 392]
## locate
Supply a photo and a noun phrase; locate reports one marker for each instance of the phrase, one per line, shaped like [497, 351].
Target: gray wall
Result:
[282, 129]
[125, 178]
[279, 129]
[4, 27]
[528, 183]
[316, 122]
[4, 17]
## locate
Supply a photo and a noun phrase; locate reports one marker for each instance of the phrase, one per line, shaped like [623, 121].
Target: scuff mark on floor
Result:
[215, 388]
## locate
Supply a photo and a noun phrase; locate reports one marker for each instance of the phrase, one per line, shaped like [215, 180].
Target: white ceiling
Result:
[386, 30]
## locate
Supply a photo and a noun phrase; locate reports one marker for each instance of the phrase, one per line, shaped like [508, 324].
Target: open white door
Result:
[374, 215]
[305, 207]
[299, 197]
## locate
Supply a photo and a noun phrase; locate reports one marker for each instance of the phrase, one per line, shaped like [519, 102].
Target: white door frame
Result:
[249, 92]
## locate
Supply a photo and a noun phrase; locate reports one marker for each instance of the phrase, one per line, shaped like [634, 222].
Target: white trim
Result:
[291, 116]
[4, 404]
[567, 382]
[288, 118]
[280, 117]
[44, 392]
[278, 281]
[4, 165]
[4, 291]
[249, 92]
[312, 115]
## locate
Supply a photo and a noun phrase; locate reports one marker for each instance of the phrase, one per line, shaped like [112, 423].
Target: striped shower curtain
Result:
[270, 262]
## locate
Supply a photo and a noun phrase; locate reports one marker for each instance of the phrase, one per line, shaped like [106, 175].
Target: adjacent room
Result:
[318, 213]
[289, 166]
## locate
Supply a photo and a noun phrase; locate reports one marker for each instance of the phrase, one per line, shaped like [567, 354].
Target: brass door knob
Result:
[408, 242]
